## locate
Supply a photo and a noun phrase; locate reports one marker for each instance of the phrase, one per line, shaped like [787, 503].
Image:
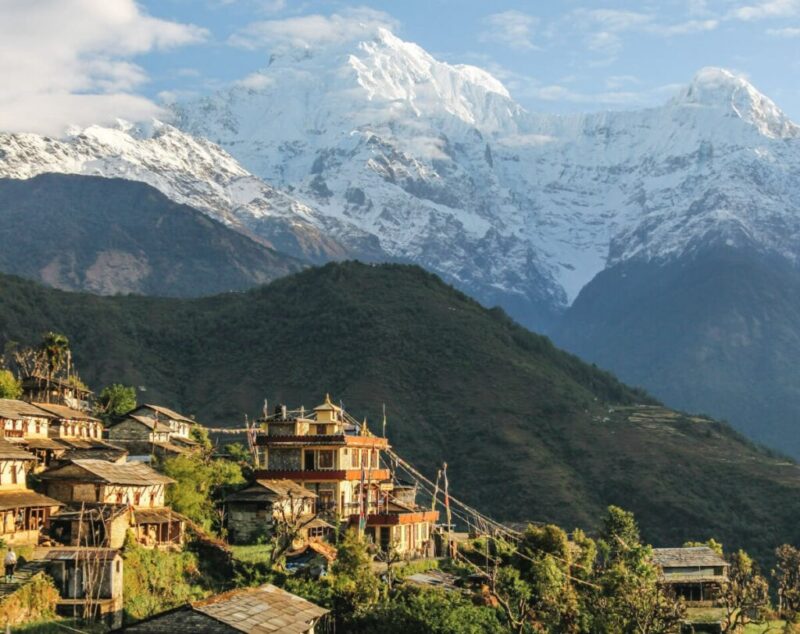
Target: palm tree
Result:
[55, 350]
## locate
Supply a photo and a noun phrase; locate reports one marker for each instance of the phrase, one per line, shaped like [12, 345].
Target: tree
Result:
[787, 577]
[745, 596]
[199, 485]
[199, 434]
[55, 351]
[356, 588]
[545, 559]
[626, 596]
[413, 610]
[10, 386]
[115, 400]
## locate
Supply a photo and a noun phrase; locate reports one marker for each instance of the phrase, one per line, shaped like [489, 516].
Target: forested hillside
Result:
[529, 432]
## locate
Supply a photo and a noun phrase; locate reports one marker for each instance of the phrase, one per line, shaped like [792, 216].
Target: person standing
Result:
[10, 563]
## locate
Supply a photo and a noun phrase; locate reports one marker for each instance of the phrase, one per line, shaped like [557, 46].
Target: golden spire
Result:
[328, 399]
[364, 428]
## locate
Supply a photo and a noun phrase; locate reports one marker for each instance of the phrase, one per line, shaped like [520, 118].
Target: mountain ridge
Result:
[112, 236]
[543, 436]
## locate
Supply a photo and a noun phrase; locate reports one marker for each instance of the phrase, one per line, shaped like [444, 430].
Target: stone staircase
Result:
[22, 576]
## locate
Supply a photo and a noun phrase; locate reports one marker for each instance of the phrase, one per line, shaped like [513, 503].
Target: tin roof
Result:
[78, 554]
[156, 516]
[262, 610]
[128, 473]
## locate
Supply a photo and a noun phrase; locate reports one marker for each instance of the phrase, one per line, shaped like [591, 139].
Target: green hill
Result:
[110, 235]
[528, 431]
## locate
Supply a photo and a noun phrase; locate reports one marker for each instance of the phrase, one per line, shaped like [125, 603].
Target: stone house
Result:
[180, 426]
[131, 485]
[23, 513]
[144, 435]
[253, 511]
[250, 610]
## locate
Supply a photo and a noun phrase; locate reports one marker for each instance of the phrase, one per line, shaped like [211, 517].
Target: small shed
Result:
[250, 610]
[89, 582]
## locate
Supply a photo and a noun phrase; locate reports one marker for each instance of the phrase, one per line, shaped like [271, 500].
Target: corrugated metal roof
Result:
[128, 473]
[78, 554]
[261, 610]
[687, 557]
[17, 499]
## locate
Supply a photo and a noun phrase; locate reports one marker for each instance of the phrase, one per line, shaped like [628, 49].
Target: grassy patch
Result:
[252, 554]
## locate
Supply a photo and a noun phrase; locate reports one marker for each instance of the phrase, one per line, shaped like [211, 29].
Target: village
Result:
[75, 490]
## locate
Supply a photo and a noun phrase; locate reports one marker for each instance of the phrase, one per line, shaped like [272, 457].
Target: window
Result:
[325, 459]
[13, 473]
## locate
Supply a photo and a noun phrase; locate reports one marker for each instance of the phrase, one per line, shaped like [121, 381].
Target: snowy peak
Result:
[723, 90]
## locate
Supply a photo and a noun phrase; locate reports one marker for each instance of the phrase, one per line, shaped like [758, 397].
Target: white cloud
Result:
[766, 9]
[311, 31]
[685, 28]
[787, 32]
[66, 62]
[512, 28]
[255, 81]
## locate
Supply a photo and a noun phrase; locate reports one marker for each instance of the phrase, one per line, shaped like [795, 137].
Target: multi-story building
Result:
[29, 426]
[96, 488]
[340, 461]
[23, 513]
[69, 423]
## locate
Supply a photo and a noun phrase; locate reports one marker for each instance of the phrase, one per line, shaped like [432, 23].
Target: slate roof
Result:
[12, 451]
[262, 610]
[12, 408]
[66, 413]
[269, 491]
[17, 499]
[148, 421]
[166, 411]
[109, 454]
[688, 557]
[128, 473]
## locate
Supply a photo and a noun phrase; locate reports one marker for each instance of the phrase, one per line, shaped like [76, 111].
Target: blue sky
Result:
[562, 56]
[83, 61]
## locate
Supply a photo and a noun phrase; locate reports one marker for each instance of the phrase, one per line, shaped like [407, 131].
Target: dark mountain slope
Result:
[529, 432]
[112, 236]
[716, 333]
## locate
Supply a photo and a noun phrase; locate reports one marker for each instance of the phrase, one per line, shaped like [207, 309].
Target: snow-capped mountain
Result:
[188, 170]
[445, 169]
[377, 150]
